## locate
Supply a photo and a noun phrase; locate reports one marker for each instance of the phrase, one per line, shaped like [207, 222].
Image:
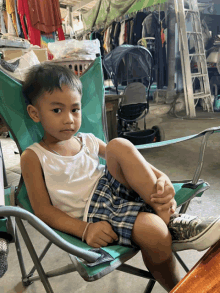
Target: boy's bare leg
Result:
[154, 239]
[128, 166]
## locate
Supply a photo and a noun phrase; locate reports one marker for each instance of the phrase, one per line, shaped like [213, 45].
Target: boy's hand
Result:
[165, 191]
[100, 234]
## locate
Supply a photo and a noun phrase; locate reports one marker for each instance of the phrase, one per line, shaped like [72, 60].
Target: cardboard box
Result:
[12, 53]
[41, 54]
[9, 54]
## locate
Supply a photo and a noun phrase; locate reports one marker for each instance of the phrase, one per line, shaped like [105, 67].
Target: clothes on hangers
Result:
[151, 27]
[33, 34]
[3, 28]
[137, 28]
[18, 24]
[131, 29]
[122, 33]
[45, 15]
[115, 41]
[112, 35]
[131, 37]
[10, 7]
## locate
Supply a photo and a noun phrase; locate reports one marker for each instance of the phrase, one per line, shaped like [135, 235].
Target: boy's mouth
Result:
[67, 130]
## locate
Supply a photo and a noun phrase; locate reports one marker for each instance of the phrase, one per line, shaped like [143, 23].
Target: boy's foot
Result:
[3, 256]
[192, 232]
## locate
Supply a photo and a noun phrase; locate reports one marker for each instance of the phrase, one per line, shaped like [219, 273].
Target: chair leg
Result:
[150, 286]
[19, 254]
[41, 256]
[181, 262]
[34, 257]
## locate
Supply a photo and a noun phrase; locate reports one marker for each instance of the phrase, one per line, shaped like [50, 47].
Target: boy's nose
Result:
[68, 119]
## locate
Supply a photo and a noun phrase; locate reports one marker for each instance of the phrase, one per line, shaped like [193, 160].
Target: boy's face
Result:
[59, 113]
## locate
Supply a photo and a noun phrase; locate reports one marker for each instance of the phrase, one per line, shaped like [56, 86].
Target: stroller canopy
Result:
[127, 63]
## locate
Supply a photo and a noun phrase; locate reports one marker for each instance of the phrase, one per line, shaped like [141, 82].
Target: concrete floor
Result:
[177, 161]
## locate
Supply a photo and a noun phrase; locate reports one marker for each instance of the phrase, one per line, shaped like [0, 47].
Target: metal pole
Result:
[171, 60]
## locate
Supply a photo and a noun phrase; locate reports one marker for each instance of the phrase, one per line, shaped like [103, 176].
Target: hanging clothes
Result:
[112, 35]
[115, 41]
[18, 24]
[131, 37]
[122, 33]
[45, 40]
[34, 34]
[137, 27]
[45, 15]
[3, 28]
[10, 7]
[126, 32]
[5, 17]
[151, 27]
[11, 29]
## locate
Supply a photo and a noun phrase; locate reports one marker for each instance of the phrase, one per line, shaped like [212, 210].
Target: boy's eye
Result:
[76, 110]
[57, 110]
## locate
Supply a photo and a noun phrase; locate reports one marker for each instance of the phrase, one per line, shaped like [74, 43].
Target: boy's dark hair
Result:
[45, 77]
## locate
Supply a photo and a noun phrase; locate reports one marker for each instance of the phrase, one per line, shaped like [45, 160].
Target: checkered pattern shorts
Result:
[114, 203]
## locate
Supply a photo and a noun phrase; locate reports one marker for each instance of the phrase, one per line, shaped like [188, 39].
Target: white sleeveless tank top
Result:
[71, 180]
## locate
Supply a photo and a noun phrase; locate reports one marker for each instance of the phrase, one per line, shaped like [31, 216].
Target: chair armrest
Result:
[177, 140]
[45, 230]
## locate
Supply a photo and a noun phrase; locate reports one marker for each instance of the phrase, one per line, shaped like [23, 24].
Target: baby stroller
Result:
[131, 66]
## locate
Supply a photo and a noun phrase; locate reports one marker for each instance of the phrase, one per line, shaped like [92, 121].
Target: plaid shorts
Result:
[114, 203]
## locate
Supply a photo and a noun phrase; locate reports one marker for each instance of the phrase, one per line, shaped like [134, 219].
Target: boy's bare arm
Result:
[102, 148]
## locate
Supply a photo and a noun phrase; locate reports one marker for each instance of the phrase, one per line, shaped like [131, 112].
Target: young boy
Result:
[70, 191]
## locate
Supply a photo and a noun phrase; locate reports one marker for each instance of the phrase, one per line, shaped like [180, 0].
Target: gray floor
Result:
[178, 161]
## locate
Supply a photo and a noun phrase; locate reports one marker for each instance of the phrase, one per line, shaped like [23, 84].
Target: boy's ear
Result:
[33, 113]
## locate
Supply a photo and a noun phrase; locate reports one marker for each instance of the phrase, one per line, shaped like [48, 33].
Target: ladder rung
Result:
[198, 74]
[200, 95]
[194, 33]
[191, 11]
[194, 55]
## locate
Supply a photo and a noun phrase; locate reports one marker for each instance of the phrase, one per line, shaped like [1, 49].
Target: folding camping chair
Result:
[90, 263]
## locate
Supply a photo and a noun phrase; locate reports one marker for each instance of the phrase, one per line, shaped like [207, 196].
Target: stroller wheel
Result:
[159, 133]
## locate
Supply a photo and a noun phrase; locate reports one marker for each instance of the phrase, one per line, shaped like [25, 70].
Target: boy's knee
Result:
[119, 144]
[151, 233]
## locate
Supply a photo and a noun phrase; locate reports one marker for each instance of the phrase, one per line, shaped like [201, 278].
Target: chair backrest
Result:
[25, 132]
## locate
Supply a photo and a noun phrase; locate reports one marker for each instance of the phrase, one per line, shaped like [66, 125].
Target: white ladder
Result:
[187, 14]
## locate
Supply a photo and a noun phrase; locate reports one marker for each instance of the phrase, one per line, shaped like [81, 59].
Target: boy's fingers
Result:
[162, 200]
[109, 231]
[107, 238]
[160, 186]
[165, 206]
[113, 235]
[173, 207]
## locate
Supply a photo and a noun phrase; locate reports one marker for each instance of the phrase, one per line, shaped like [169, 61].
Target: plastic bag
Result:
[75, 49]
[25, 62]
